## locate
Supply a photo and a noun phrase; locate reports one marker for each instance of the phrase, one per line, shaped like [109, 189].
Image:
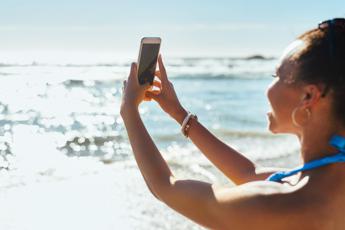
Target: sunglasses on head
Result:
[331, 25]
[335, 22]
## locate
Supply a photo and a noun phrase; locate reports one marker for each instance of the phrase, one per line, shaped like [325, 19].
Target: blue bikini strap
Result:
[336, 141]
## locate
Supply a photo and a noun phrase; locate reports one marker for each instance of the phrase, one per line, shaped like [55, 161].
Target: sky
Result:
[187, 28]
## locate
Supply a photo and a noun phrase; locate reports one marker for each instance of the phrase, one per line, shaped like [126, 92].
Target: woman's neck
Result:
[315, 142]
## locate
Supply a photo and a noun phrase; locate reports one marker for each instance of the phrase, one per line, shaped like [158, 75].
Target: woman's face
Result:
[283, 94]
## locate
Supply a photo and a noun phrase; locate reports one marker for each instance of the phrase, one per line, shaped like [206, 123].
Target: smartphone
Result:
[147, 61]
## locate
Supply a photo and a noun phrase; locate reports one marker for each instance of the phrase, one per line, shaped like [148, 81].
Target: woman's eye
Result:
[274, 75]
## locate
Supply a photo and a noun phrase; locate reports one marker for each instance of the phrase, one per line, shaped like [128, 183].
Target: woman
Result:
[306, 98]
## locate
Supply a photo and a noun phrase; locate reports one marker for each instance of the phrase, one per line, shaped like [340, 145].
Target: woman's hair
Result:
[322, 61]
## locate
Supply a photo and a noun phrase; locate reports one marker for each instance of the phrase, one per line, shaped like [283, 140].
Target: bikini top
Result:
[336, 141]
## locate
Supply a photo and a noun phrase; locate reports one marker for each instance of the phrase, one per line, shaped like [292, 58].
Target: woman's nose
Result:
[268, 91]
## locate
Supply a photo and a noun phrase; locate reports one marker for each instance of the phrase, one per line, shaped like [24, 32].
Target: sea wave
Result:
[175, 62]
[189, 68]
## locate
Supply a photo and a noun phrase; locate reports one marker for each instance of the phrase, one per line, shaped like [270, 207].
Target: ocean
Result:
[65, 160]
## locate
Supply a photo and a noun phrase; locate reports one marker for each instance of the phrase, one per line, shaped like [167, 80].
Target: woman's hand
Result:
[166, 97]
[132, 92]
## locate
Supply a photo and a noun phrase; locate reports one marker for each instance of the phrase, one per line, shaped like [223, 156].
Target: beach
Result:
[65, 158]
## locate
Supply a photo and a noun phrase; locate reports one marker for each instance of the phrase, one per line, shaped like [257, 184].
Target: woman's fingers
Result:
[158, 76]
[157, 79]
[158, 73]
[154, 91]
[157, 84]
[151, 95]
[163, 73]
[156, 88]
[147, 98]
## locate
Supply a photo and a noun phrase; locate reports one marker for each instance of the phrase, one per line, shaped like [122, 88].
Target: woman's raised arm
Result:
[233, 164]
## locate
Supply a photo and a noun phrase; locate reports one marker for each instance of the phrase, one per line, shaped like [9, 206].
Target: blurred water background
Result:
[65, 161]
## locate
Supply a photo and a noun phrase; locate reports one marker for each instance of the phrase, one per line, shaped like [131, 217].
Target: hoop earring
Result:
[294, 120]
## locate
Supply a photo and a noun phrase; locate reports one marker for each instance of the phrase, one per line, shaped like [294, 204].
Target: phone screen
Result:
[147, 63]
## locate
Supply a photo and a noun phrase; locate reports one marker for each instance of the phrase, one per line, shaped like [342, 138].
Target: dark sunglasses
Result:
[332, 22]
[331, 25]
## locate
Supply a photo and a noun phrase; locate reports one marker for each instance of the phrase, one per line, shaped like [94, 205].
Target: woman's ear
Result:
[311, 95]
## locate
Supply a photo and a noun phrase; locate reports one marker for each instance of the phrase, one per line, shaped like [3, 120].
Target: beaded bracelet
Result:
[186, 123]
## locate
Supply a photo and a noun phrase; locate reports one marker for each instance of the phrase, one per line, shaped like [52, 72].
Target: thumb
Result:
[133, 72]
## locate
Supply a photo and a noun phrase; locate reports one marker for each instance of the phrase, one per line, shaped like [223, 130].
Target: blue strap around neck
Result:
[336, 141]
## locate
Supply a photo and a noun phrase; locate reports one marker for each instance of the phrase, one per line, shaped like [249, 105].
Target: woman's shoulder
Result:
[266, 197]
[255, 201]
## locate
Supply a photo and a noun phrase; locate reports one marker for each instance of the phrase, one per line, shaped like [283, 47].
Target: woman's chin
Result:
[274, 131]
[270, 125]
[271, 128]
